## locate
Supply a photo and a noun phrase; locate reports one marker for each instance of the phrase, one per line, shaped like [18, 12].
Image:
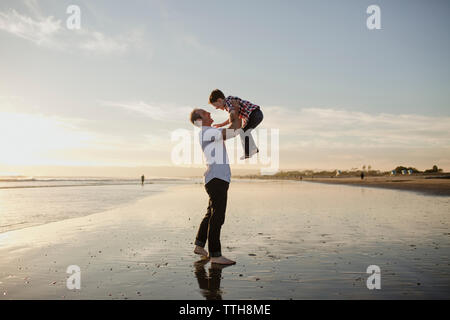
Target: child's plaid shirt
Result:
[245, 109]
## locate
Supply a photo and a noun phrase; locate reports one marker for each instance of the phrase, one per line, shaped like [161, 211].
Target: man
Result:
[217, 180]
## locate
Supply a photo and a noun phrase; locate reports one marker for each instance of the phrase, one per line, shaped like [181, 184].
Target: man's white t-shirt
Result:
[215, 153]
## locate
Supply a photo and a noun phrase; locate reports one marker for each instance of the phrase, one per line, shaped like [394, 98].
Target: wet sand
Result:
[291, 240]
[433, 186]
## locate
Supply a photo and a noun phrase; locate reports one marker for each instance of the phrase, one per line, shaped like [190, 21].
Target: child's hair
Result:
[216, 95]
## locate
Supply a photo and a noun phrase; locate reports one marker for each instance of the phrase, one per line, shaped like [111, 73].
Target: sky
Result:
[112, 93]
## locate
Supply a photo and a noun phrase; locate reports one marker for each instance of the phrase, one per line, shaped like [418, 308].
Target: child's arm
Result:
[234, 111]
[235, 104]
[234, 120]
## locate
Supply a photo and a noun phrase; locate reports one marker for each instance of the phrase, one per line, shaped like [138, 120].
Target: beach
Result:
[422, 184]
[291, 240]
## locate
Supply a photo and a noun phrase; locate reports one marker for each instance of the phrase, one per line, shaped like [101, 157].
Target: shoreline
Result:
[435, 186]
[89, 199]
[74, 185]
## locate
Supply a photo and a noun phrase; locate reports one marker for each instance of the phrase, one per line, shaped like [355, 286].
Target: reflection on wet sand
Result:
[209, 284]
[297, 241]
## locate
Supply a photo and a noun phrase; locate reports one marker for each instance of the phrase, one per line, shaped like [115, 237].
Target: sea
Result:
[30, 201]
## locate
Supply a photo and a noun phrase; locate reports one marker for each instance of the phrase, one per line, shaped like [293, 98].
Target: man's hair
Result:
[195, 115]
[215, 95]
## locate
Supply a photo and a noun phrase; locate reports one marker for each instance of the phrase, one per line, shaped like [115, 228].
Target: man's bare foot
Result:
[222, 260]
[200, 251]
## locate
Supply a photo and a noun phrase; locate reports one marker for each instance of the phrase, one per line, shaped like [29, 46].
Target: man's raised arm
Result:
[235, 125]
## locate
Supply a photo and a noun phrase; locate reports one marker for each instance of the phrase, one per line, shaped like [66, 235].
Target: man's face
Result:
[206, 118]
[219, 104]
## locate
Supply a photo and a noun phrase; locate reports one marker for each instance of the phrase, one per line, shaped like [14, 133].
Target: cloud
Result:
[321, 138]
[46, 140]
[325, 127]
[49, 32]
[331, 128]
[191, 41]
[158, 112]
[39, 31]
[98, 42]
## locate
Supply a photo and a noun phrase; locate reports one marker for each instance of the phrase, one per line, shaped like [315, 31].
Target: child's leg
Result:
[254, 120]
[248, 144]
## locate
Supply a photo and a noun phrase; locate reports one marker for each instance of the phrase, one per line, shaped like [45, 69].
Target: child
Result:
[250, 114]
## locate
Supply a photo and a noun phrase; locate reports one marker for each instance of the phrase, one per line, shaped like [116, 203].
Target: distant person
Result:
[217, 180]
[250, 114]
[362, 175]
[142, 179]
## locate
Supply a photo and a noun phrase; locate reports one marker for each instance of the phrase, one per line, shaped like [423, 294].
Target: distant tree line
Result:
[435, 169]
[297, 174]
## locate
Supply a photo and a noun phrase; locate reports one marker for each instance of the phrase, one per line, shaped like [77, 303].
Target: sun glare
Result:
[27, 139]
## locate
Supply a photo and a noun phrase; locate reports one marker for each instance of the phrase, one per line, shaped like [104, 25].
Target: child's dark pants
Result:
[211, 224]
[253, 121]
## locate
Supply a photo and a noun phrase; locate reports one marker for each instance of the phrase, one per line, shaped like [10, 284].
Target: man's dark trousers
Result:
[211, 224]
